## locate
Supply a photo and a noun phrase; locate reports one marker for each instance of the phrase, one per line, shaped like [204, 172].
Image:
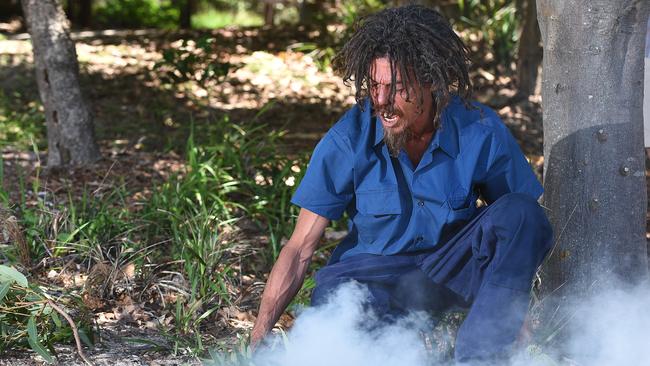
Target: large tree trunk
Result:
[70, 133]
[593, 146]
[529, 50]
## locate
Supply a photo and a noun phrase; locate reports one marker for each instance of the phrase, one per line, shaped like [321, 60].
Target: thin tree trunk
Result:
[593, 147]
[186, 11]
[529, 50]
[269, 12]
[85, 13]
[70, 133]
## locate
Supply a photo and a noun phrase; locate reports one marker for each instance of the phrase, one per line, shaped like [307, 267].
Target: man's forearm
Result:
[285, 280]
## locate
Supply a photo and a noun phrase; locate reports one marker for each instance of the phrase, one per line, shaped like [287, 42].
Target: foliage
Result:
[28, 320]
[214, 19]
[496, 21]
[196, 61]
[242, 356]
[137, 14]
[238, 172]
[353, 10]
[322, 55]
[191, 217]
[21, 121]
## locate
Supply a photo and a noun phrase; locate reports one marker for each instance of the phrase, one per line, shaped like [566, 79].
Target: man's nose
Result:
[382, 94]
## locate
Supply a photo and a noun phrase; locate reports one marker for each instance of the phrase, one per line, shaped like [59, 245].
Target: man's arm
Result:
[288, 272]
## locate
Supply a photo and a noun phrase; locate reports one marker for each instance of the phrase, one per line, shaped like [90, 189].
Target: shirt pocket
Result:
[377, 214]
[462, 203]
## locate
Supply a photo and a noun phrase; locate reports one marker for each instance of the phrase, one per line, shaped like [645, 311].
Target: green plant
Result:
[496, 21]
[241, 356]
[137, 14]
[4, 195]
[322, 56]
[195, 61]
[353, 10]
[214, 19]
[21, 122]
[189, 221]
[28, 318]
[235, 172]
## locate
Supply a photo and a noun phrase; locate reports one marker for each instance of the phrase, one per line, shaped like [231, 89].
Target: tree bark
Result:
[529, 50]
[70, 130]
[9, 9]
[186, 11]
[85, 13]
[79, 13]
[593, 147]
[269, 12]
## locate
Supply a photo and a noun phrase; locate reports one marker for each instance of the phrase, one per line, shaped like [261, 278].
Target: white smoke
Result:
[342, 332]
[611, 328]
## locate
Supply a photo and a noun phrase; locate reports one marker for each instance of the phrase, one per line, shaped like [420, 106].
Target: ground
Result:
[142, 125]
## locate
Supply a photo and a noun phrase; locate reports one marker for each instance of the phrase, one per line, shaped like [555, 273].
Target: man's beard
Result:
[395, 141]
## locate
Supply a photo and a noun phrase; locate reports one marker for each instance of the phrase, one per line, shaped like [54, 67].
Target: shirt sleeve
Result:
[327, 187]
[508, 171]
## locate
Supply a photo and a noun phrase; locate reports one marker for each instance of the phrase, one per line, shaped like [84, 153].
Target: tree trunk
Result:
[529, 50]
[593, 147]
[312, 13]
[70, 133]
[79, 13]
[269, 12]
[186, 11]
[9, 9]
[85, 13]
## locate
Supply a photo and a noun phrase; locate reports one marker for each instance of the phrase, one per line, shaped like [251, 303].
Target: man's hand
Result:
[288, 272]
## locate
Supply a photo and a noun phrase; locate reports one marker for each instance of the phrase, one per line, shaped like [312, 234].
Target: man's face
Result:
[402, 116]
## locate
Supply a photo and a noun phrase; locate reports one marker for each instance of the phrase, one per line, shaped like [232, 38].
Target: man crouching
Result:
[408, 163]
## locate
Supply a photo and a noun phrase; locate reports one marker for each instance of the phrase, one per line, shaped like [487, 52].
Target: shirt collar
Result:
[446, 138]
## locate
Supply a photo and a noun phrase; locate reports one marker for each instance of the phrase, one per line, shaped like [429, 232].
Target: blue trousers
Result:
[487, 266]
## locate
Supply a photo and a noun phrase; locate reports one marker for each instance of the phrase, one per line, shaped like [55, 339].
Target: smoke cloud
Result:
[611, 328]
[342, 332]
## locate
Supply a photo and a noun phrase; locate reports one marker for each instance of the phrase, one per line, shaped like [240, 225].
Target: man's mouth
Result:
[389, 119]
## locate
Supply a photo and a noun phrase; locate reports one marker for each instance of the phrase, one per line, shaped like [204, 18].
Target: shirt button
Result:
[420, 203]
[419, 239]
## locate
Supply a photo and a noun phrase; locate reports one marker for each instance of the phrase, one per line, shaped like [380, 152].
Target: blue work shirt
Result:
[395, 207]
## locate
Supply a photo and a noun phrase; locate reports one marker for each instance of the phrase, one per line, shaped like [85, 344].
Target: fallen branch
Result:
[75, 332]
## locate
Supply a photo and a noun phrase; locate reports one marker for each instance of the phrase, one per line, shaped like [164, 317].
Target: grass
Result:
[183, 239]
[214, 19]
[21, 121]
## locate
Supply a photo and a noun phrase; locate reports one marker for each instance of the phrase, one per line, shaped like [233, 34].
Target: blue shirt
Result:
[395, 207]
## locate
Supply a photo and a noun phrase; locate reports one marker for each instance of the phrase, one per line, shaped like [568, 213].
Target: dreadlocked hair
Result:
[421, 46]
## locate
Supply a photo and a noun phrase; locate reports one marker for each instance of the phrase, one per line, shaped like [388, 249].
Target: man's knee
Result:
[527, 235]
[517, 204]
[517, 210]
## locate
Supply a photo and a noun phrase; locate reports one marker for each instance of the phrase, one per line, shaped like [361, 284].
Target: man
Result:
[408, 164]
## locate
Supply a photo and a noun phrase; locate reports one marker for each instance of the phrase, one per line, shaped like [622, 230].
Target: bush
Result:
[137, 14]
[496, 21]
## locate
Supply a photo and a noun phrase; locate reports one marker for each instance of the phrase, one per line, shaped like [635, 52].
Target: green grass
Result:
[22, 122]
[214, 19]
[190, 221]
